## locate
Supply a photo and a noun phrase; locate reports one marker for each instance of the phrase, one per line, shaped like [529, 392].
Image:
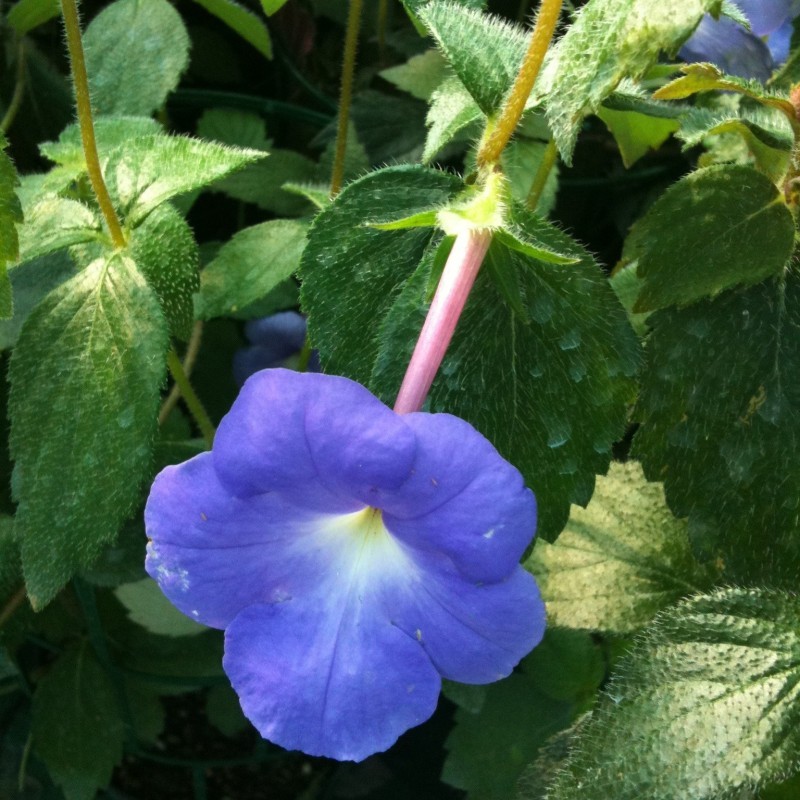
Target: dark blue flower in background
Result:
[737, 51]
[353, 556]
[274, 341]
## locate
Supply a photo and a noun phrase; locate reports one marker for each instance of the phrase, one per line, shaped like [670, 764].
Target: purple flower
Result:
[748, 54]
[274, 340]
[353, 556]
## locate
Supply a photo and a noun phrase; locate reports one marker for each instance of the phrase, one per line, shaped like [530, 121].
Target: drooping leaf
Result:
[351, 269]
[720, 414]
[147, 606]
[548, 389]
[253, 263]
[55, 223]
[618, 561]
[85, 380]
[244, 22]
[77, 729]
[719, 227]
[149, 170]
[484, 51]
[608, 41]
[705, 705]
[136, 51]
[166, 253]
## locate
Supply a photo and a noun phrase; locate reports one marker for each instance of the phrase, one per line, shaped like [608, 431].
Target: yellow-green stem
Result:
[14, 602]
[69, 9]
[383, 20]
[507, 121]
[346, 93]
[547, 163]
[192, 350]
[190, 398]
[19, 91]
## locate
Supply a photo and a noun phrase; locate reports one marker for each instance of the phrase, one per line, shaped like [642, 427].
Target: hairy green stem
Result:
[69, 9]
[346, 94]
[19, 91]
[190, 397]
[549, 158]
[493, 145]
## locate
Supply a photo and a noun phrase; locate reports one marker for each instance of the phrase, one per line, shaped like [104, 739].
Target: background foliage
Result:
[632, 345]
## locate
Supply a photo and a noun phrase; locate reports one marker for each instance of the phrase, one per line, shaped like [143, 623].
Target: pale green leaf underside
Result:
[147, 606]
[484, 51]
[85, 380]
[618, 561]
[451, 115]
[608, 41]
[420, 75]
[719, 227]
[76, 727]
[705, 705]
[136, 51]
[249, 266]
[720, 414]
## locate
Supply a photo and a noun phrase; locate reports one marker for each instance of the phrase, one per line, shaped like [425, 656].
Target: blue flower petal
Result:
[322, 440]
[328, 673]
[780, 41]
[473, 633]
[765, 16]
[284, 331]
[214, 554]
[733, 49]
[443, 505]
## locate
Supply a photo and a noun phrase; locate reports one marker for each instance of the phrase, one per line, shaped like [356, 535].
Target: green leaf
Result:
[350, 269]
[488, 750]
[26, 15]
[520, 161]
[707, 77]
[55, 223]
[30, 283]
[419, 76]
[709, 699]
[484, 51]
[224, 711]
[635, 133]
[110, 133]
[766, 132]
[85, 380]
[627, 285]
[549, 390]
[76, 729]
[150, 170]
[136, 52]
[451, 115]
[244, 22]
[720, 412]
[619, 561]
[272, 6]
[716, 228]
[10, 566]
[10, 215]
[164, 249]
[147, 606]
[253, 263]
[608, 41]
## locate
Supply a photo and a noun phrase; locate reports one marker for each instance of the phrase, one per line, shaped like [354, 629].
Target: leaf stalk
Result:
[69, 10]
